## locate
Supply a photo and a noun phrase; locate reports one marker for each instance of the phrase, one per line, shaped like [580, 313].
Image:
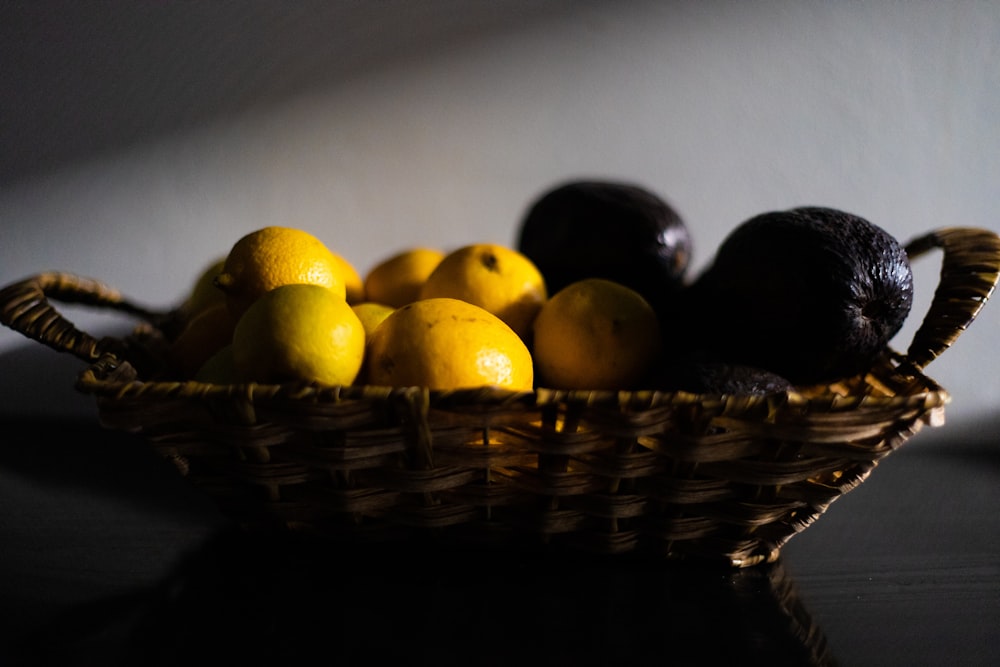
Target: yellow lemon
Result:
[444, 343]
[396, 280]
[299, 332]
[204, 293]
[371, 314]
[204, 335]
[218, 369]
[494, 277]
[274, 256]
[354, 284]
[595, 334]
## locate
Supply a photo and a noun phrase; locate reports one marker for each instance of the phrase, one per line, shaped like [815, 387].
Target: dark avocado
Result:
[705, 377]
[607, 229]
[813, 294]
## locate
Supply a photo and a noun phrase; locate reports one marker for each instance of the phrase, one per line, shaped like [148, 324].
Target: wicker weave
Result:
[717, 477]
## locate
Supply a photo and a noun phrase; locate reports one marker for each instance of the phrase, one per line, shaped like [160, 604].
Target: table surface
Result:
[108, 557]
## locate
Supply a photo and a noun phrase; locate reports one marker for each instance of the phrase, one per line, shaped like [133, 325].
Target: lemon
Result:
[396, 280]
[206, 333]
[274, 256]
[595, 334]
[354, 284]
[299, 332]
[371, 314]
[444, 343]
[494, 277]
[204, 293]
[218, 369]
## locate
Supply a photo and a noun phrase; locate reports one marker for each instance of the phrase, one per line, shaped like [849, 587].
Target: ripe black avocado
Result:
[607, 229]
[706, 377]
[813, 294]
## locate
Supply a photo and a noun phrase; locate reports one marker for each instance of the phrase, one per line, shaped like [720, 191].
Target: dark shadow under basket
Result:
[711, 477]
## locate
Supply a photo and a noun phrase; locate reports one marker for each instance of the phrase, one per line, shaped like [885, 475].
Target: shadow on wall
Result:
[81, 80]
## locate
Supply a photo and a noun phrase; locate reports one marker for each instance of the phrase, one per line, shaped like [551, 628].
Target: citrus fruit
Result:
[299, 332]
[354, 284]
[203, 292]
[494, 277]
[371, 314]
[206, 333]
[218, 368]
[274, 256]
[595, 334]
[444, 343]
[396, 280]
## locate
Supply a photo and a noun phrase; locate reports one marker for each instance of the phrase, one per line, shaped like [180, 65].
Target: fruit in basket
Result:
[371, 314]
[273, 256]
[206, 333]
[494, 277]
[701, 377]
[595, 334]
[218, 368]
[396, 280]
[607, 229]
[354, 284]
[299, 332]
[445, 343]
[204, 293]
[813, 294]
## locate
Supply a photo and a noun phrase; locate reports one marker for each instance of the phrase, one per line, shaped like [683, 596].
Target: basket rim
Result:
[112, 378]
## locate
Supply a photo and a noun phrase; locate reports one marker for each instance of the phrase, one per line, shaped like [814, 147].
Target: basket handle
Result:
[970, 267]
[25, 307]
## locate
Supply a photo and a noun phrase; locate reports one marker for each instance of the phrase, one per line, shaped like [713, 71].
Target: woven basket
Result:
[717, 477]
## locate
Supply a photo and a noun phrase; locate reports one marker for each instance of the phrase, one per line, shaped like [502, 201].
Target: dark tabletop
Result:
[108, 557]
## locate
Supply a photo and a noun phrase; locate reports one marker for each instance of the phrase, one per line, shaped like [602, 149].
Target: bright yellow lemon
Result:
[444, 343]
[274, 256]
[299, 332]
[494, 277]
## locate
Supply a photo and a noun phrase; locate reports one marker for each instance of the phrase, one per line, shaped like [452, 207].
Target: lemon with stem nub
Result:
[204, 294]
[494, 277]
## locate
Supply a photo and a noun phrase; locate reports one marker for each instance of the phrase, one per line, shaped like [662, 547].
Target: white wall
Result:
[437, 122]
